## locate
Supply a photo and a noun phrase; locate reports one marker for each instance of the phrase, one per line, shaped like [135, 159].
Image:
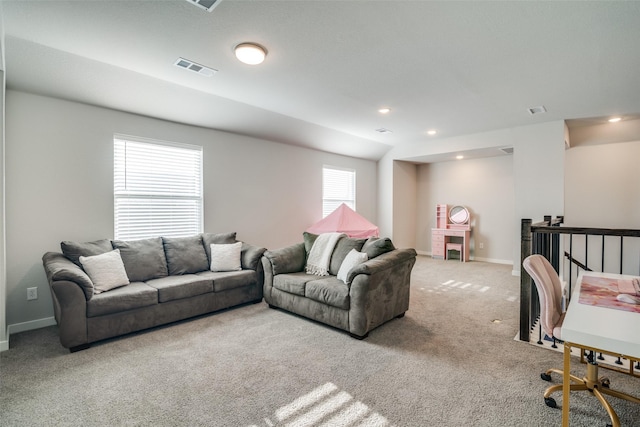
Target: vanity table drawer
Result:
[437, 251]
[437, 238]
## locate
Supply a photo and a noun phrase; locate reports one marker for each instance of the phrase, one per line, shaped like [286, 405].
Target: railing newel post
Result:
[525, 280]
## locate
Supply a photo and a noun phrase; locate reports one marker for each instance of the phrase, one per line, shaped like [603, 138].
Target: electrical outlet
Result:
[32, 293]
[481, 245]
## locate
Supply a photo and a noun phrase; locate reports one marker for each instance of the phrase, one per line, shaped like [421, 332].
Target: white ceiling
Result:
[458, 67]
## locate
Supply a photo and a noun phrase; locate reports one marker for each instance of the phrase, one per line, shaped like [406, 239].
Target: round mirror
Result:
[459, 215]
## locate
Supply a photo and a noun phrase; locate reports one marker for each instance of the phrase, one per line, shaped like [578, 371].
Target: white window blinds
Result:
[157, 189]
[338, 186]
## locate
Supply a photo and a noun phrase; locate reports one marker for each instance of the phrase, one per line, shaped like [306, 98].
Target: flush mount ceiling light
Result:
[432, 132]
[384, 110]
[615, 119]
[459, 157]
[250, 53]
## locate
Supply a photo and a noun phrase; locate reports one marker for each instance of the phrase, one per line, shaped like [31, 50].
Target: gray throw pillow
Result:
[343, 247]
[218, 239]
[185, 254]
[309, 240]
[74, 250]
[143, 259]
[375, 246]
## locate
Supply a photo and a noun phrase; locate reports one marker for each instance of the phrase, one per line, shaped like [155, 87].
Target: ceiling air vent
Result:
[207, 5]
[383, 130]
[507, 150]
[537, 110]
[196, 68]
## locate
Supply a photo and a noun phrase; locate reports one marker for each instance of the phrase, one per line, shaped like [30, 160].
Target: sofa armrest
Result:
[59, 268]
[382, 262]
[380, 290]
[290, 259]
[70, 308]
[250, 256]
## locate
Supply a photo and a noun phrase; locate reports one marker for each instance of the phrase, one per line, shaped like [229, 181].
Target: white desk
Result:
[602, 329]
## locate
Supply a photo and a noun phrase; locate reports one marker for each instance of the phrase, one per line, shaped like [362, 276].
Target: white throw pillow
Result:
[106, 270]
[226, 257]
[352, 259]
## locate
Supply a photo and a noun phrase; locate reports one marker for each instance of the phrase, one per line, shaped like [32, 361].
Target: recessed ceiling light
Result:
[250, 53]
[460, 157]
[537, 110]
[384, 110]
[432, 132]
[615, 119]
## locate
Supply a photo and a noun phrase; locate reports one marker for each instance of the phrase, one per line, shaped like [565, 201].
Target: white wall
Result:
[485, 187]
[405, 199]
[538, 175]
[603, 186]
[4, 340]
[59, 186]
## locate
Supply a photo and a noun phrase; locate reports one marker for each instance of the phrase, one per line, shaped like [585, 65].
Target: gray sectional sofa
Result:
[373, 292]
[170, 279]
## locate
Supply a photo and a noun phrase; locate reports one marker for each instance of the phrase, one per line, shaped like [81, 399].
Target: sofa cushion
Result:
[293, 283]
[218, 239]
[181, 286]
[129, 297]
[375, 246]
[185, 254]
[74, 250]
[105, 270]
[143, 259]
[330, 291]
[223, 281]
[226, 257]
[353, 259]
[343, 247]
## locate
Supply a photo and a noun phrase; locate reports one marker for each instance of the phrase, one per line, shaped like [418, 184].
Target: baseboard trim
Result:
[30, 325]
[471, 258]
[4, 346]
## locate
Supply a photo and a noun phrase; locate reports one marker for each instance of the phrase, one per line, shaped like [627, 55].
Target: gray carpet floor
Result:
[451, 361]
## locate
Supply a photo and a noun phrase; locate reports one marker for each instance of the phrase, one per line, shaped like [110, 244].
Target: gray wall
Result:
[59, 186]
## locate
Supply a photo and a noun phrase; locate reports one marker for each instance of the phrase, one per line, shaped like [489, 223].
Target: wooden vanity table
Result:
[451, 225]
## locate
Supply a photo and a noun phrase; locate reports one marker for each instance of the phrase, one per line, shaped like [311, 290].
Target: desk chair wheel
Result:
[551, 402]
[545, 376]
[605, 382]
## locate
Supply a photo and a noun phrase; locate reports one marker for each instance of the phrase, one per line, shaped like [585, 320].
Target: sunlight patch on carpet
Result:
[326, 406]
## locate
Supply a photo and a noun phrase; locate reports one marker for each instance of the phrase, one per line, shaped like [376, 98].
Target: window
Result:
[157, 189]
[338, 186]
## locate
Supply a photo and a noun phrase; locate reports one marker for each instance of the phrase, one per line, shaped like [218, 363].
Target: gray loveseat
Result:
[170, 280]
[377, 290]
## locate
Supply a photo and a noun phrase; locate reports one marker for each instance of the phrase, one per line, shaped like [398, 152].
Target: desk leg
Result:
[566, 381]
